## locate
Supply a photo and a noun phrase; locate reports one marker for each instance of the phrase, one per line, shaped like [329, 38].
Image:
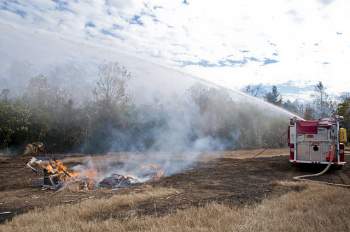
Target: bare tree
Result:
[111, 86]
[345, 96]
[324, 106]
[254, 90]
[37, 93]
[320, 95]
[4, 95]
[309, 113]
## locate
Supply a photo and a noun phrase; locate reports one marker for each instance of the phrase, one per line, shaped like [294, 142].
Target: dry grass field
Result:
[316, 208]
[236, 191]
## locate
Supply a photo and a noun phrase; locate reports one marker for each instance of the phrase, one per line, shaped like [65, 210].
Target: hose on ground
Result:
[303, 177]
[259, 153]
[313, 175]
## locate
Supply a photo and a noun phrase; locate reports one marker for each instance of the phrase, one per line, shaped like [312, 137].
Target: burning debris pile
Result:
[53, 171]
[57, 176]
[117, 180]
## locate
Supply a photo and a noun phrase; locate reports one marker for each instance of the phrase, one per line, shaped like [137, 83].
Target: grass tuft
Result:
[315, 208]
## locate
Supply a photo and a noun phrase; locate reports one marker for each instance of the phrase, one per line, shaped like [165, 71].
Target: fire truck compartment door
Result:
[312, 151]
[303, 151]
[318, 151]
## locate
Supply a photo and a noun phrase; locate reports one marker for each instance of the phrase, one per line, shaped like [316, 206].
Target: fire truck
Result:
[317, 141]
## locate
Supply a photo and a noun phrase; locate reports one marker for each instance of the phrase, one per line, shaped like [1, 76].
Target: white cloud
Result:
[326, 2]
[309, 39]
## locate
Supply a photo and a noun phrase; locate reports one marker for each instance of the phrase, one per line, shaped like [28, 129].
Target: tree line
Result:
[320, 105]
[206, 118]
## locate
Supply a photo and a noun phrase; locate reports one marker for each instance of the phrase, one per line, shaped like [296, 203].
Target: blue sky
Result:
[231, 43]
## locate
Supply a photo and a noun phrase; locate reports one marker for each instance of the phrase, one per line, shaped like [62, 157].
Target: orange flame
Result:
[57, 168]
[86, 178]
[154, 170]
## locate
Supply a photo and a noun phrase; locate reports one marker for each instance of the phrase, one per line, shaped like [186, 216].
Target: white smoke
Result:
[73, 66]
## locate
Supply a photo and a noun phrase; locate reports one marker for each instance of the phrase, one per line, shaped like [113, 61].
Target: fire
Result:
[160, 173]
[154, 171]
[58, 175]
[57, 168]
[87, 178]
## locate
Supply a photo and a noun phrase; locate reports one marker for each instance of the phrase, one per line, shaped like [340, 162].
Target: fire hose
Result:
[303, 177]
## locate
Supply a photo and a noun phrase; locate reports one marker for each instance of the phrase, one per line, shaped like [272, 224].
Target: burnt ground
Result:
[233, 178]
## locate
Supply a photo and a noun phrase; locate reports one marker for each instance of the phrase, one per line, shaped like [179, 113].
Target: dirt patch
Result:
[234, 179]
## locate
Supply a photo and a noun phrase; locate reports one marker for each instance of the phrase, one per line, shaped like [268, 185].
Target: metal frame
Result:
[316, 162]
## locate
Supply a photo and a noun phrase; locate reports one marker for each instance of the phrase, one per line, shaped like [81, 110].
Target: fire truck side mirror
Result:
[342, 135]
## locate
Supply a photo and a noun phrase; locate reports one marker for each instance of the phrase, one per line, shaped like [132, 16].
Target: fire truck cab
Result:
[316, 141]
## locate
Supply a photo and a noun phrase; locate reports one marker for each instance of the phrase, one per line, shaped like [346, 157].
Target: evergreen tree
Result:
[274, 96]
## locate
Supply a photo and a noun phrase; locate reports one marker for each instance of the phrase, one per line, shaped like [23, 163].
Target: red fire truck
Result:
[317, 141]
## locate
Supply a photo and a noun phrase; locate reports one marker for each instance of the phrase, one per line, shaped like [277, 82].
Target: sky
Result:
[231, 43]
